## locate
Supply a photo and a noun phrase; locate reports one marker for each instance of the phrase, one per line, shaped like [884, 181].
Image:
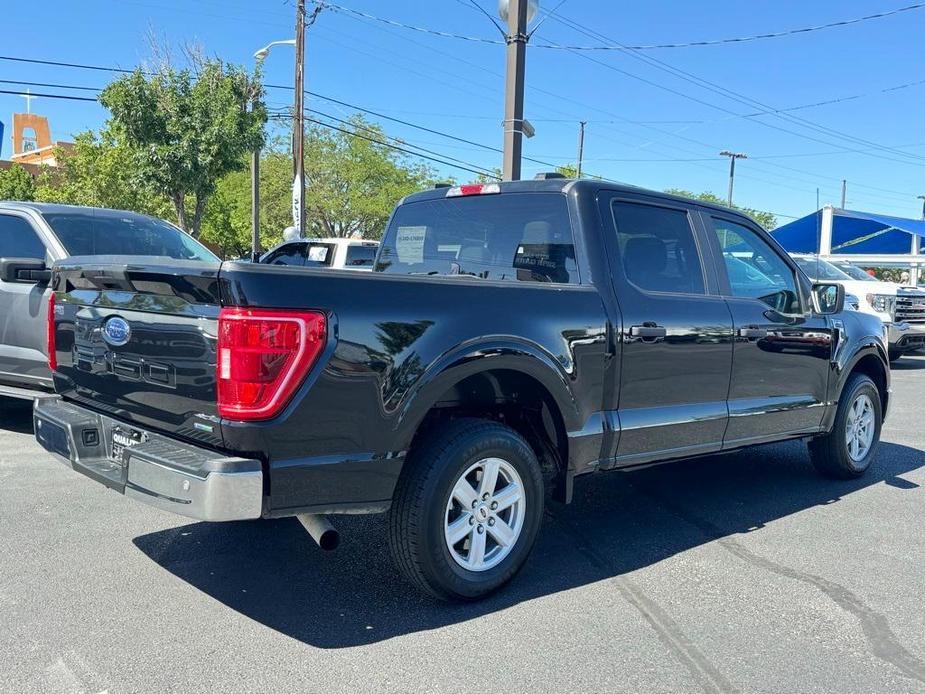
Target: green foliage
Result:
[16, 184]
[100, 172]
[185, 131]
[568, 170]
[765, 219]
[354, 183]
[227, 221]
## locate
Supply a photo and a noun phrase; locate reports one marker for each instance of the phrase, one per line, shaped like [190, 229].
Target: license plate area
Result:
[122, 439]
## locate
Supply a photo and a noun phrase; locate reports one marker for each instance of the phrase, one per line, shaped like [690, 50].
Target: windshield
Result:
[818, 269]
[855, 272]
[96, 232]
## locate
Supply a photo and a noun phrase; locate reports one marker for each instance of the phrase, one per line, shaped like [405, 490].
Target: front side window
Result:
[755, 269]
[520, 237]
[657, 248]
[18, 239]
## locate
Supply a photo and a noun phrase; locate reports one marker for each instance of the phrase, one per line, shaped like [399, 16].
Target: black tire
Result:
[829, 453]
[894, 354]
[419, 508]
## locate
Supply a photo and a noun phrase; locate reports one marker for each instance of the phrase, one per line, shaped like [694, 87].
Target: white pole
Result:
[825, 236]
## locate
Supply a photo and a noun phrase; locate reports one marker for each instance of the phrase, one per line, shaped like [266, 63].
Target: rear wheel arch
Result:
[506, 394]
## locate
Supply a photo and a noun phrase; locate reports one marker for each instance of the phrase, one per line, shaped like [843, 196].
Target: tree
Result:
[227, 220]
[765, 219]
[354, 180]
[100, 172]
[16, 184]
[185, 131]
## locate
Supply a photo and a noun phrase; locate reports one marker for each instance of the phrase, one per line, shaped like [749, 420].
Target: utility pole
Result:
[732, 170]
[844, 192]
[516, 38]
[255, 201]
[298, 132]
[581, 146]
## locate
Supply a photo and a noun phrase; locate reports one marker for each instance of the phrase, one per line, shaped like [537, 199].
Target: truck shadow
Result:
[910, 362]
[272, 572]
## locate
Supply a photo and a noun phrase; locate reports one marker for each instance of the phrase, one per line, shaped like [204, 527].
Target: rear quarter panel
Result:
[395, 344]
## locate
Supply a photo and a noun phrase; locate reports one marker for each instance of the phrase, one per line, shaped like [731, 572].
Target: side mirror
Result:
[24, 271]
[828, 298]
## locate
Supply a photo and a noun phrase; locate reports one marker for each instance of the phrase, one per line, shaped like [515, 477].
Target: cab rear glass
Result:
[518, 237]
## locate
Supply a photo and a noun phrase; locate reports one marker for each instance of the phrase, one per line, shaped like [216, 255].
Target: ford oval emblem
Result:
[116, 331]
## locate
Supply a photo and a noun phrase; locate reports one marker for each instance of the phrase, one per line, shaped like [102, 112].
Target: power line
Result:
[468, 166]
[688, 44]
[354, 133]
[68, 97]
[735, 96]
[309, 93]
[745, 39]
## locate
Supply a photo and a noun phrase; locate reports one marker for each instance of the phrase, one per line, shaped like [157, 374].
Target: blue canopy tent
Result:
[862, 237]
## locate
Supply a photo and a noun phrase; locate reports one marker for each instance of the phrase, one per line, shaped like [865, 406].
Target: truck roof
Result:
[55, 208]
[564, 185]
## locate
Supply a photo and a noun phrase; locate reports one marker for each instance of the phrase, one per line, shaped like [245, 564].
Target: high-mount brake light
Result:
[473, 189]
[263, 358]
[50, 327]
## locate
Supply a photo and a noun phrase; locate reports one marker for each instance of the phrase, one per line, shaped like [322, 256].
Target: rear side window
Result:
[360, 256]
[290, 254]
[520, 237]
[18, 239]
[657, 248]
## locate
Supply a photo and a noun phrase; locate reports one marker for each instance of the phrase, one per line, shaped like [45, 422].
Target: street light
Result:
[516, 14]
[259, 56]
[265, 51]
[533, 7]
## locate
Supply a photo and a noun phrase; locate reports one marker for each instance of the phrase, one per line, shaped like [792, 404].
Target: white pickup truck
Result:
[902, 309]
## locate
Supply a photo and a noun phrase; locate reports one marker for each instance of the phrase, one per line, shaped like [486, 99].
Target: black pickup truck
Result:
[511, 338]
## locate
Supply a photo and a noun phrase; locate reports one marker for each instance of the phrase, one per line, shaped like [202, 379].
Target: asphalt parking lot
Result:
[740, 573]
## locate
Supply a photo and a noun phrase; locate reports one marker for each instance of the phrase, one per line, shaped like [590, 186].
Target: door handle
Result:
[753, 333]
[648, 331]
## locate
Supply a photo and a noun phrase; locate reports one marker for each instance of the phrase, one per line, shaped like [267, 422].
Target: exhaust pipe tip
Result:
[329, 540]
[321, 531]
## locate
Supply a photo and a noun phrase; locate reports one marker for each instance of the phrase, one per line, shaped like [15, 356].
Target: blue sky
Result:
[646, 125]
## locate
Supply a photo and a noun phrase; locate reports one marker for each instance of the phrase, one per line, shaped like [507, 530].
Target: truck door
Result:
[676, 335]
[22, 309]
[782, 350]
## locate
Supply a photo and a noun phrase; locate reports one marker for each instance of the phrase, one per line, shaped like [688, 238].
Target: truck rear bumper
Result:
[152, 468]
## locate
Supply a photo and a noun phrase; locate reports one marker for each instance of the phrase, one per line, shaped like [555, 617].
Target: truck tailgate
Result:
[136, 339]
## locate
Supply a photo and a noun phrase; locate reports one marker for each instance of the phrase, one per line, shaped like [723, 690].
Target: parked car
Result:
[339, 254]
[33, 236]
[902, 309]
[511, 339]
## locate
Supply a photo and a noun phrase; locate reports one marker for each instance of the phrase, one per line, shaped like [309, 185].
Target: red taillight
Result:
[50, 327]
[263, 357]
